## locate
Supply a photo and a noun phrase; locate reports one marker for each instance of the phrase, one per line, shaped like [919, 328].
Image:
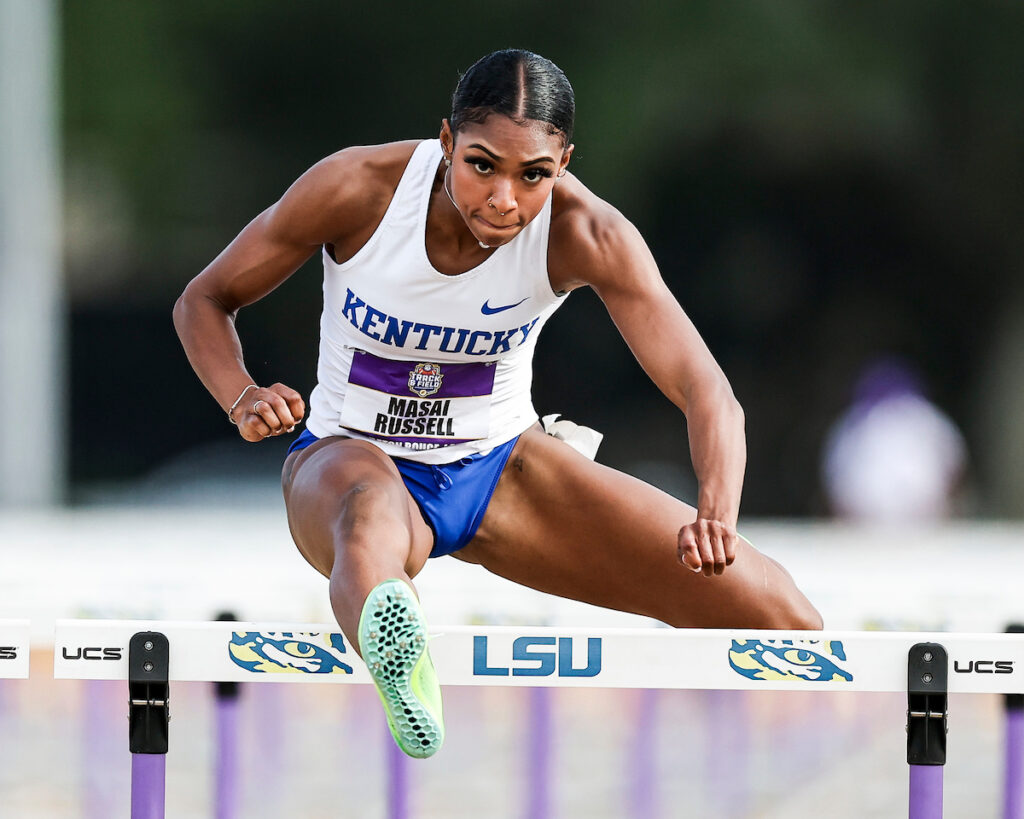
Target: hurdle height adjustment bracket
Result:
[148, 693]
[927, 711]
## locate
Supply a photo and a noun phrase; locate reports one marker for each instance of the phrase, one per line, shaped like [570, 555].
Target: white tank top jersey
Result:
[430, 367]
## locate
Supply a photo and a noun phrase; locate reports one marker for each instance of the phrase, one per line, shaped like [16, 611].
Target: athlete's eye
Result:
[536, 174]
[481, 165]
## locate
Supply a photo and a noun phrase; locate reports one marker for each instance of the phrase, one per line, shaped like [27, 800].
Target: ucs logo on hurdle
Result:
[8, 652]
[92, 653]
[812, 660]
[983, 667]
[538, 657]
[288, 652]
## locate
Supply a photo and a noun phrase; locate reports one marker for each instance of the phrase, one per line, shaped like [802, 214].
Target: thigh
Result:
[562, 524]
[319, 485]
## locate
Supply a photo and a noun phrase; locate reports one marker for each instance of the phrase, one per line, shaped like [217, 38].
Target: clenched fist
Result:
[269, 411]
[707, 546]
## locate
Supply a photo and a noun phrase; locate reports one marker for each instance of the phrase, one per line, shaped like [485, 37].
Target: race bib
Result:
[418, 404]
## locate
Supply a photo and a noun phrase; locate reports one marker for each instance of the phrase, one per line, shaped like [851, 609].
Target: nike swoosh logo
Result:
[487, 310]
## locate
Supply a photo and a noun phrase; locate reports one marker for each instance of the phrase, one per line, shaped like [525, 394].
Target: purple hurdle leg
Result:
[1013, 772]
[398, 780]
[100, 748]
[643, 793]
[148, 786]
[926, 792]
[538, 762]
[1013, 793]
[148, 716]
[226, 784]
[927, 670]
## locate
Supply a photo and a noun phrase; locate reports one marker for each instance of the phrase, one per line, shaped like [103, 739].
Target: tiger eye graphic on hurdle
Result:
[288, 652]
[812, 660]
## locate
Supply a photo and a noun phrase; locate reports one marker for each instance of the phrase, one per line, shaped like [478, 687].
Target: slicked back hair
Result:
[519, 84]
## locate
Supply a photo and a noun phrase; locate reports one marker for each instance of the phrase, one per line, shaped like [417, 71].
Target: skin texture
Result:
[557, 521]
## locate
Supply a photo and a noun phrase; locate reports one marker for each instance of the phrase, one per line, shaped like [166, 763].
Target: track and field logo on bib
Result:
[425, 379]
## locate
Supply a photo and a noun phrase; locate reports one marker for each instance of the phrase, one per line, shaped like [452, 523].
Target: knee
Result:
[789, 608]
[813, 619]
[796, 613]
[365, 502]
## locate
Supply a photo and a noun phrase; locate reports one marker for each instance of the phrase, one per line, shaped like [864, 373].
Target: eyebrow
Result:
[497, 158]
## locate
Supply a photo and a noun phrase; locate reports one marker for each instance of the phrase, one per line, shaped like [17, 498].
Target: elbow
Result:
[186, 308]
[195, 304]
[715, 396]
[736, 410]
[728, 406]
[180, 310]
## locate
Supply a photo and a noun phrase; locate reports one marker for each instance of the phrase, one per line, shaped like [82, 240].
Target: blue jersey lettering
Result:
[395, 332]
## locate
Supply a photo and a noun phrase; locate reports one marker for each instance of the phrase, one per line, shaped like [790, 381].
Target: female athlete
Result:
[443, 258]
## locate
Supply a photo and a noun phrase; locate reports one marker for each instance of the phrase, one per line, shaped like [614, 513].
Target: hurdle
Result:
[925, 666]
[14, 649]
[1013, 754]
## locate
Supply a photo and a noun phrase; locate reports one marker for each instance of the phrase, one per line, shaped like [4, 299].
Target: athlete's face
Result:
[502, 173]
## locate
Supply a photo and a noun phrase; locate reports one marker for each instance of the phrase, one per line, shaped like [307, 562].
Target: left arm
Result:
[622, 271]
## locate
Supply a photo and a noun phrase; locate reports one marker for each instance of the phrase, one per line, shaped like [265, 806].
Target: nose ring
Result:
[491, 203]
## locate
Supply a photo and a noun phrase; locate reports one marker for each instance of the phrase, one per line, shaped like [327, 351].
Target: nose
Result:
[503, 197]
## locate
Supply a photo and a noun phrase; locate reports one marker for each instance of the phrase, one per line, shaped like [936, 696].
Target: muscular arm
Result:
[611, 256]
[338, 201]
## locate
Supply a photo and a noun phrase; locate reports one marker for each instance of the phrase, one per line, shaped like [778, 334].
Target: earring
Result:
[561, 174]
[447, 162]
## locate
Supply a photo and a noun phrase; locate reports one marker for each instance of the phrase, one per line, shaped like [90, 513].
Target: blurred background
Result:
[821, 183]
[833, 191]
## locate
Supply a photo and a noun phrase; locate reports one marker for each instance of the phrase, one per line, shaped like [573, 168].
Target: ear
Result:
[566, 156]
[447, 139]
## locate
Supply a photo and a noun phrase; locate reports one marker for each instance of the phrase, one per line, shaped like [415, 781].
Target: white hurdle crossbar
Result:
[925, 666]
[14, 649]
[554, 657]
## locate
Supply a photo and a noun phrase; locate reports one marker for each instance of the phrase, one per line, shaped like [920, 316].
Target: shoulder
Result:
[590, 239]
[361, 168]
[343, 192]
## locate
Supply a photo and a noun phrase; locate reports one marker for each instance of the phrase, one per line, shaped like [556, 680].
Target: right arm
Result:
[335, 202]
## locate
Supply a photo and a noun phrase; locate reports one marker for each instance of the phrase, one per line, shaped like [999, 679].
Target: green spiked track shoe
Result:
[393, 639]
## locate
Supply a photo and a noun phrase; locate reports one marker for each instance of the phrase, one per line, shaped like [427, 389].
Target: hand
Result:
[269, 411]
[707, 546]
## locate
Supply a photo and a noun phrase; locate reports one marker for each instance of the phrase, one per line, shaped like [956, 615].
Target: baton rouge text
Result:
[387, 329]
[538, 657]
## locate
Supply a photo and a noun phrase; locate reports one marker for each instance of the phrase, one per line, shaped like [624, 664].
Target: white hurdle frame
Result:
[724, 659]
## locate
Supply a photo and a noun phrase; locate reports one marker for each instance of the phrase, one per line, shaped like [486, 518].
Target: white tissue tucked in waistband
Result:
[583, 439]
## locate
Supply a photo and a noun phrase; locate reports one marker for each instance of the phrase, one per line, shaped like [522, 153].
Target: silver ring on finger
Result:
[255, 407]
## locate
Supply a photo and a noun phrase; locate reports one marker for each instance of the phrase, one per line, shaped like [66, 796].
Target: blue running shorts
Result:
[452, 497]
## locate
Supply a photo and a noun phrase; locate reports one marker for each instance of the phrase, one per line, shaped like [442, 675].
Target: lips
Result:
[493, 226]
